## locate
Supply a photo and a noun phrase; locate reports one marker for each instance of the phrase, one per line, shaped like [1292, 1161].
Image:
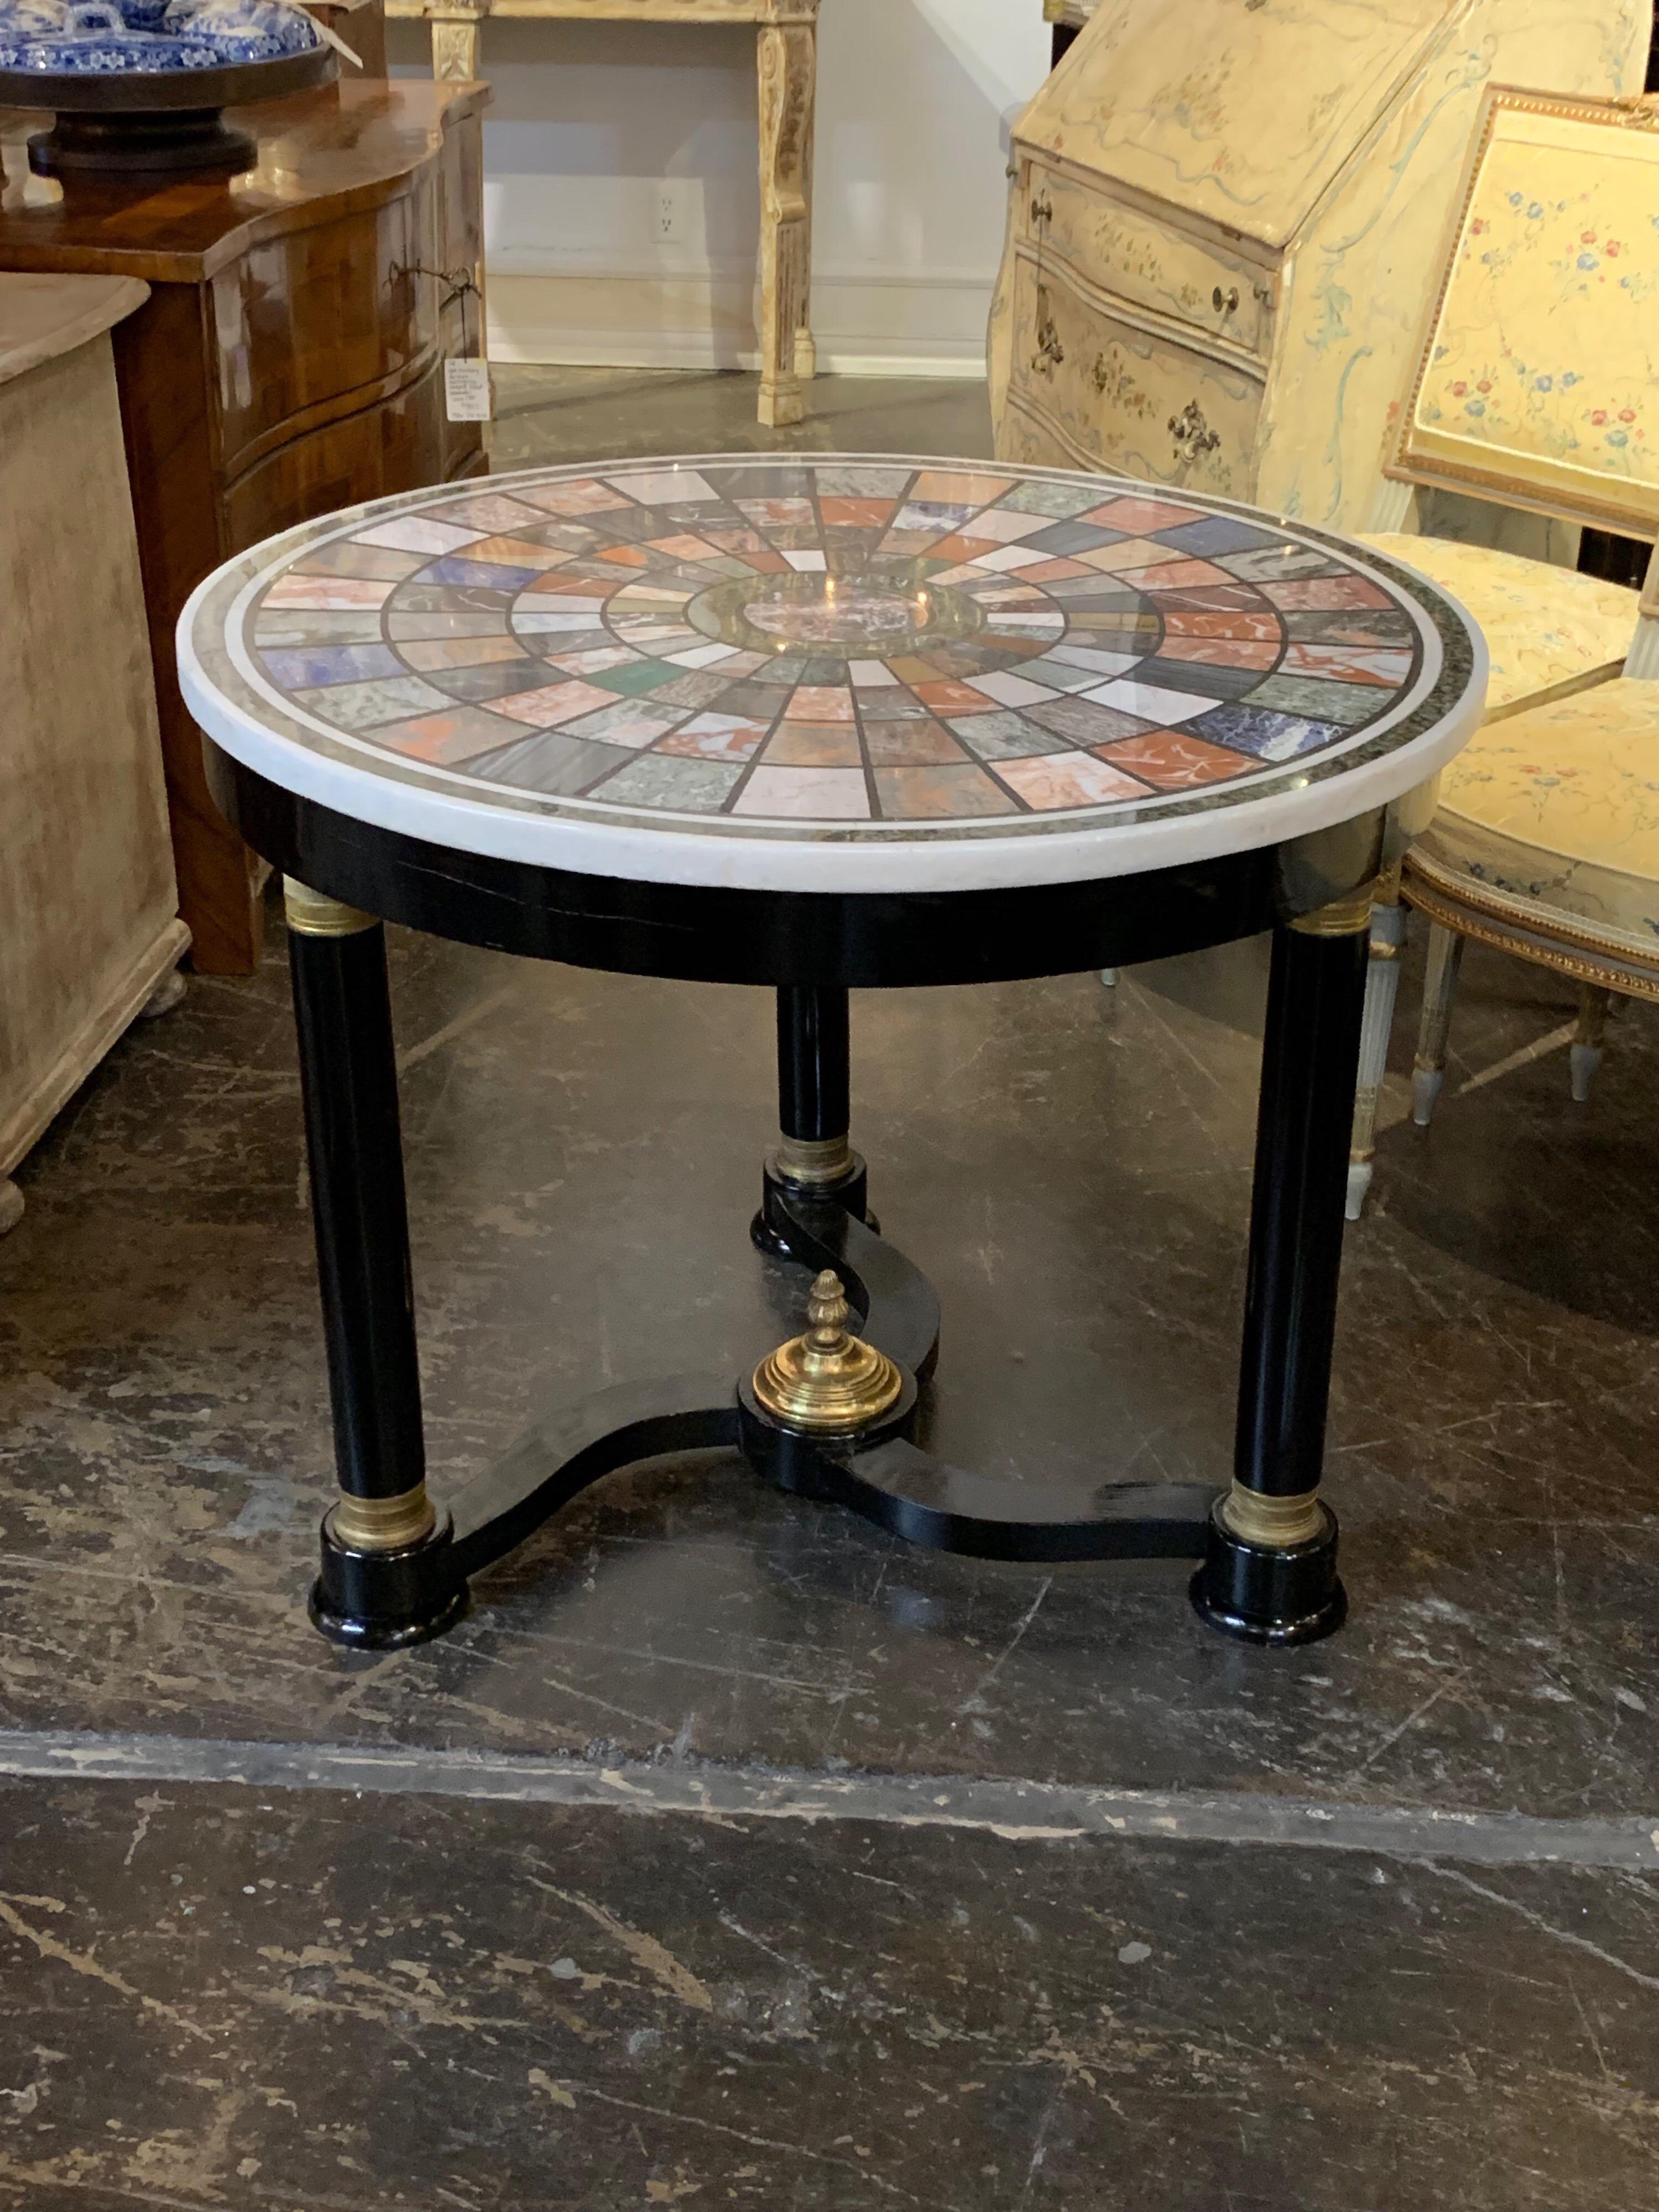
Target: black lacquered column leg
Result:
[386, 1578]
[814, 1157]
[1269, 1574]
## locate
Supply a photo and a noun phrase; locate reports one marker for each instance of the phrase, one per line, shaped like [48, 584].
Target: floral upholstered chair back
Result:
[1538, 381]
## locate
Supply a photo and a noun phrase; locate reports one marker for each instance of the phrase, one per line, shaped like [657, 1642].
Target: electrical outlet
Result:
[673, 201]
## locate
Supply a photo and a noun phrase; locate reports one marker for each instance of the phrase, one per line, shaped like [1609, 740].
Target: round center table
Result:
[820, 724]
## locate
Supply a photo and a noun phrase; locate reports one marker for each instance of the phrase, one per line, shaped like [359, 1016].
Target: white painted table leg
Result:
[1381, 989]
[787, 57]
[1439, 987]
[1585, 1053]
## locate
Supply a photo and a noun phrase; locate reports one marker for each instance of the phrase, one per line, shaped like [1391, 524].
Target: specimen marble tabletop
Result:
[841, 673]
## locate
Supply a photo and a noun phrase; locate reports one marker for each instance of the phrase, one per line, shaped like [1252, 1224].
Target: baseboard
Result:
[867, 324]
[30, 1118]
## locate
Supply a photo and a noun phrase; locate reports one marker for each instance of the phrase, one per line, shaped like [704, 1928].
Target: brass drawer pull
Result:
[1225, 303]
[1050, 352]
[1043, 210]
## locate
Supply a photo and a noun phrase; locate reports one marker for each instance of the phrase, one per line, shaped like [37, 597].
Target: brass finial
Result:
[828, 1380]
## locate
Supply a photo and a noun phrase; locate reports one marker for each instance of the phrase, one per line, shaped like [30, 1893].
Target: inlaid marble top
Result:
[844, 672]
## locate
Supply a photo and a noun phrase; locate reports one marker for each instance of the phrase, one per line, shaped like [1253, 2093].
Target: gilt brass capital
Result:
[383, 1524]
[313, 914]
[1343, 917]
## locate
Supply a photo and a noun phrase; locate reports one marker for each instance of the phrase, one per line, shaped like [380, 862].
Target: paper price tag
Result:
[467, 395]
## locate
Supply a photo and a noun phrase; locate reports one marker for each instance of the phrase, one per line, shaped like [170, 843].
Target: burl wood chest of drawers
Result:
[1223, 222]
[288, 361]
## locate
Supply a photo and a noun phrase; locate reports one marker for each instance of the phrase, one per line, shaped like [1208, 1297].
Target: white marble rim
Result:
[444, 808]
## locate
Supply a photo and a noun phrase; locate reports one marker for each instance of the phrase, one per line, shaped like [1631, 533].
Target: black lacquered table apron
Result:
[823, 725]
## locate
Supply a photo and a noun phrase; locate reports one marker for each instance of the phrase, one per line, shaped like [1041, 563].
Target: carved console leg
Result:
[457, 44]
[376, 1588]
[1585, 1053]
[786, 58]
[1269, 1574]
[806, 346]
[168, 994]
[1439, 988]
[1387, 940]
[815, 1157]
[11, 1206]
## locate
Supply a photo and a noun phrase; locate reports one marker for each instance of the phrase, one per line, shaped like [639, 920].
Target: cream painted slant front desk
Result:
[787, 60]
[1222, 240]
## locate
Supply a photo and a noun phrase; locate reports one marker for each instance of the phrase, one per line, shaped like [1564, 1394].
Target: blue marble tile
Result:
[492, 575]
[303, 668]
[1268, 737]
[1215, 534]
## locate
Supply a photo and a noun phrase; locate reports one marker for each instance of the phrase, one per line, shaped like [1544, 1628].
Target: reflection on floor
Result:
[731, 1853]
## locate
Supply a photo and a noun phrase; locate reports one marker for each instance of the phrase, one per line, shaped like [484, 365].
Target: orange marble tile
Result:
[947, 698]
[1218, 652]
[951, 489]
[857, 513]
[319, 592]
[1194, 622]
[814, 744]
[553, 703]
[1174, 760]
[1142, 515]
[1175, 575]
[460, 652]
[1051, 782]
[820, 703]
[516, 553]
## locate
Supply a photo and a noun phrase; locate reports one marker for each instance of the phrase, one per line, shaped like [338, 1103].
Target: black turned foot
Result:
[382, 1600]
[1270, 1593]
[773, 1230]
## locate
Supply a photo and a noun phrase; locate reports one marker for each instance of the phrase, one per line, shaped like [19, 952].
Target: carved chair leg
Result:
[1445, 958]
[806, 346]
[1388, 938]
[1586, 1052]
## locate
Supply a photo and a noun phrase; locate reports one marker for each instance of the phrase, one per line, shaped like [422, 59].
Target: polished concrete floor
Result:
[730, 1852]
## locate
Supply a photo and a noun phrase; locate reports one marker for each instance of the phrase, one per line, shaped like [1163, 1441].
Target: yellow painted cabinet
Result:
[1229, 235]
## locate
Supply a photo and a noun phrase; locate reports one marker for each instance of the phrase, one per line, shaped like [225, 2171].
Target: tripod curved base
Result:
[384, 1600]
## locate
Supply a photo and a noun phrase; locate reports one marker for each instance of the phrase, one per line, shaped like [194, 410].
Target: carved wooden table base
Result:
[786, 62]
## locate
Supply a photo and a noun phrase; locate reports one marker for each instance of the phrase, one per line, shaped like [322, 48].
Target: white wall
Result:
[915, 98]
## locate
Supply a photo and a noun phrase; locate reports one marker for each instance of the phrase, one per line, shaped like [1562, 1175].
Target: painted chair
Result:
[1533, 392]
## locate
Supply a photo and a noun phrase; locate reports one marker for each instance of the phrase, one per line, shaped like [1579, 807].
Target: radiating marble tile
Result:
[814, 744]
[1052, 781]
[492, 575]
[557, 702]
[856, 514]
[939, 794]
[959, 488]
[1011, 690]
[512, 552]
[1331, 702]
[1087, 722]
[1005, 736]
[491, 511]
[460, 652]
[717, 737]
[1272, 563]
[664, 487]
[1319, 592]
[304, 667]
[357, 626]
[587, 496]
[1143, 516]
[1347, 663]
[1176, 760]
[460, 734]
[346, 559]
[1259, 627]
[400, 626]
[821, 703]
[687, 786]
[1060, 500]
[950, 698]
[557, 763]
[825, 794]
[419, 534]
[361, 706]
[1152, 702]
[629, 724]
[322, 592]
[1269, 736]
[854, 480]
[914, 744]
